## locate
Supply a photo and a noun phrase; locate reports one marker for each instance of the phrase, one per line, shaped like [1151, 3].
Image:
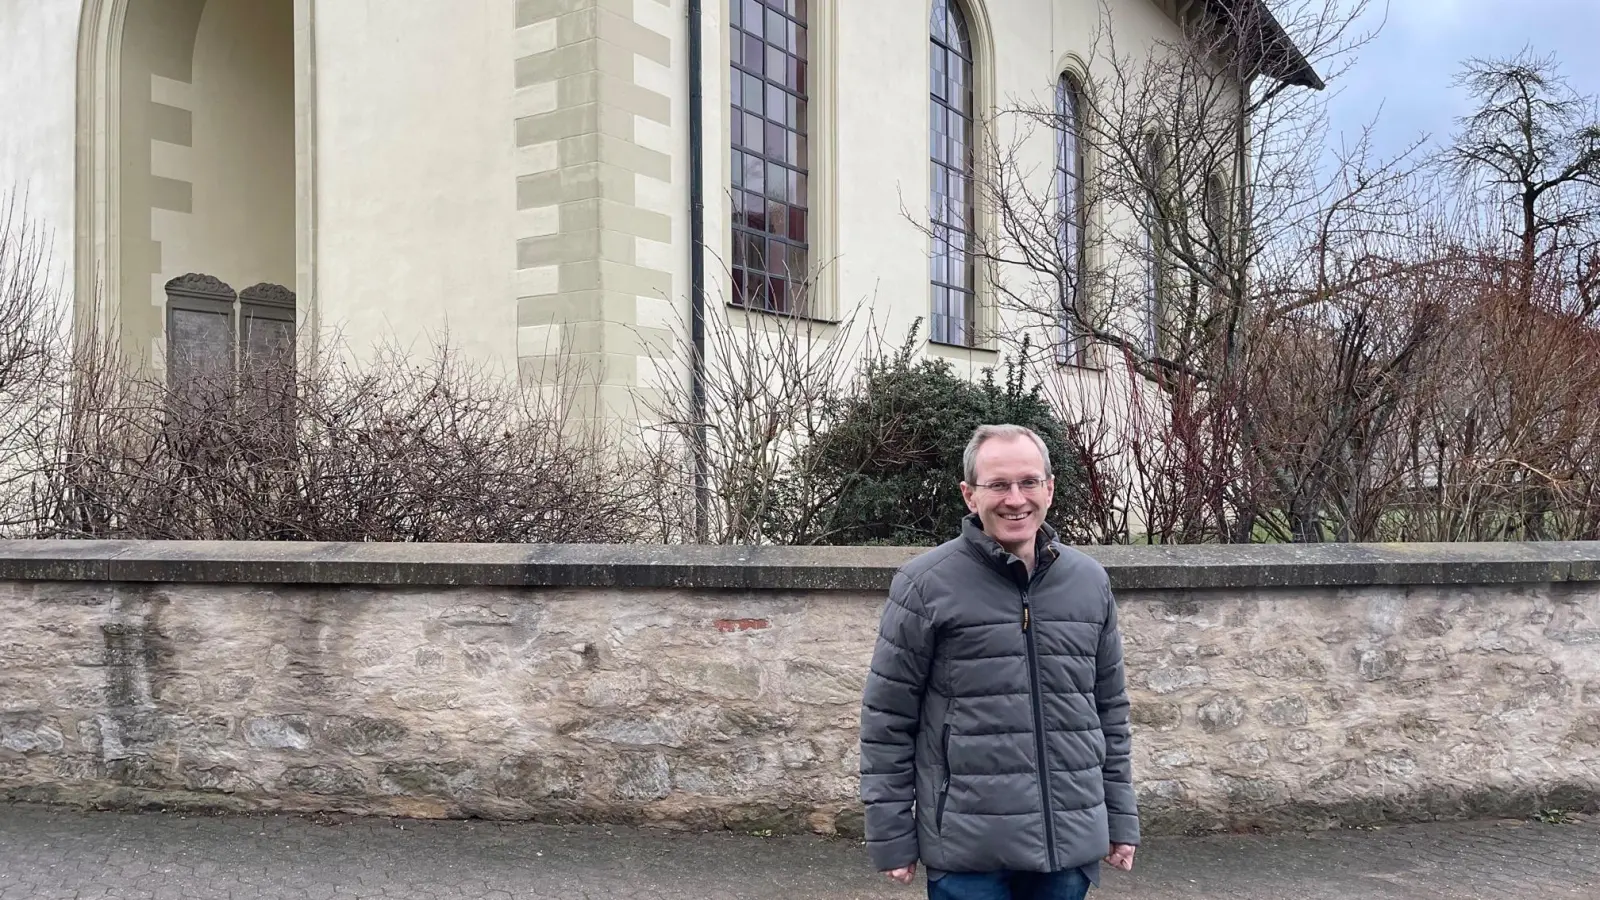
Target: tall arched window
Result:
[952, 273]
[1071, 341]
[1154, 234]
[768, 116]
[1218, 232]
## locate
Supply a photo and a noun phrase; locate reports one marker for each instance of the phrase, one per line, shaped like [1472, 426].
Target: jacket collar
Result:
[989, 549]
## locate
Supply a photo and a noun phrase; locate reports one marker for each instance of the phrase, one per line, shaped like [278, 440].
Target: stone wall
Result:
[719, 687]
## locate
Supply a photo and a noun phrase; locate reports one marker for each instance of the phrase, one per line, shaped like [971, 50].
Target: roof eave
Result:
[1281, 59]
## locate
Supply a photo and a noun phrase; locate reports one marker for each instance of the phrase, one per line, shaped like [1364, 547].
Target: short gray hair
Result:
[969, 459]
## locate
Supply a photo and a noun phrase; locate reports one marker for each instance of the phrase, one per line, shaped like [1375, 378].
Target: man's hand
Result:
[904, 874]
[1121, 856]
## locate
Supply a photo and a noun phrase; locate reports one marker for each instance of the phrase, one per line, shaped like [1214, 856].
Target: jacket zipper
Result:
[1038, 730]
[944, 789]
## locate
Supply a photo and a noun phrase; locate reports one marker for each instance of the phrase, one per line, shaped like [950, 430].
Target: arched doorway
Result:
[188, 155]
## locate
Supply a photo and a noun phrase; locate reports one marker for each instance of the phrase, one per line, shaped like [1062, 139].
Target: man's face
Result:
[1011, 515]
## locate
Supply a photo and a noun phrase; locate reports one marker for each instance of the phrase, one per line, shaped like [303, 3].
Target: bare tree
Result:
[1206, 182]
[1221, 239]
[31, 354]
[1531, 148]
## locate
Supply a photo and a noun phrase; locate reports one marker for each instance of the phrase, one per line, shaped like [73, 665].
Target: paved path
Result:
[50, 854]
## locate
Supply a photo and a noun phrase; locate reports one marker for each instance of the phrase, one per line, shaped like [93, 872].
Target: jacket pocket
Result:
[944, 784]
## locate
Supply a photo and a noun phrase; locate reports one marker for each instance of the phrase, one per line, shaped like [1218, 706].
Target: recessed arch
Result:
[969, 319]
[981, 33]
[1075, 66]
[952, 138]
[1153, 233]
[191, 156]
[1072, 216]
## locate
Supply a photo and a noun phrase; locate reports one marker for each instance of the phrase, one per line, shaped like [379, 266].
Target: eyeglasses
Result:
[1028, 486]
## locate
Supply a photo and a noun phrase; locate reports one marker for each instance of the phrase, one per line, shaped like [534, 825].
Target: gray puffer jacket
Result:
[994, 723]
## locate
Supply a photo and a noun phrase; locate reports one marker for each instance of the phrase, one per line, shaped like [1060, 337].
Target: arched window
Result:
[770, 159]
[1071, 340]
[1218, 231]
[1154, 237]
[952, 273]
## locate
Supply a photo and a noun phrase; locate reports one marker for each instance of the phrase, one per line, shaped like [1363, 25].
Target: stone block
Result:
[328, 780]
[1221, 713]
[1378, 663]
[1168, 680]
[642, 777]
[823, 683]
[538, 778]
[1160, 716]
[361, 735]
[1285, 712]
[30, 733]
[278, 733]
[449, 778]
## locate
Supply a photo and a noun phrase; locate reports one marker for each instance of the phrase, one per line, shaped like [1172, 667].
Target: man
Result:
[994, 723]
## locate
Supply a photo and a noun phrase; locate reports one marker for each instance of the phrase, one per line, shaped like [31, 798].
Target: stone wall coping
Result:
[771, 568]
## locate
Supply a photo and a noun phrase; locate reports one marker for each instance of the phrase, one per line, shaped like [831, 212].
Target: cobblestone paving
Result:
[49, 853]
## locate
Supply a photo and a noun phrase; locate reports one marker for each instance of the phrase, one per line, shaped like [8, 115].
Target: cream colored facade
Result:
[513, 172]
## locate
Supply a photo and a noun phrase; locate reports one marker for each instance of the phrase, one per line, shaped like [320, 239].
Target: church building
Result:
[529, 175]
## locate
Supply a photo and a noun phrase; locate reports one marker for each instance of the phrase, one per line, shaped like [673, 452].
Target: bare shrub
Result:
[1504, 443]
[401, 447]
[892, 455]
[1160, 462]
[825, 433]
[772, 384]
[31, 357]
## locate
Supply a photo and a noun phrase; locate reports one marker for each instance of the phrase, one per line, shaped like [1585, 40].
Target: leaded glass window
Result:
[951, 208]
[1154, 249]
[770, 159]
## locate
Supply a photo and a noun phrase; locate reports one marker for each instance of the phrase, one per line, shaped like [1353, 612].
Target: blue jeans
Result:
[1070, 884]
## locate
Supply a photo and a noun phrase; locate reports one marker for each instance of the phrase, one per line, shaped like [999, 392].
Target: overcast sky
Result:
[1404, 76]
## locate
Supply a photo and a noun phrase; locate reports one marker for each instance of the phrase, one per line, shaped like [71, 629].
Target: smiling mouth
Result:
[1015, 517]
